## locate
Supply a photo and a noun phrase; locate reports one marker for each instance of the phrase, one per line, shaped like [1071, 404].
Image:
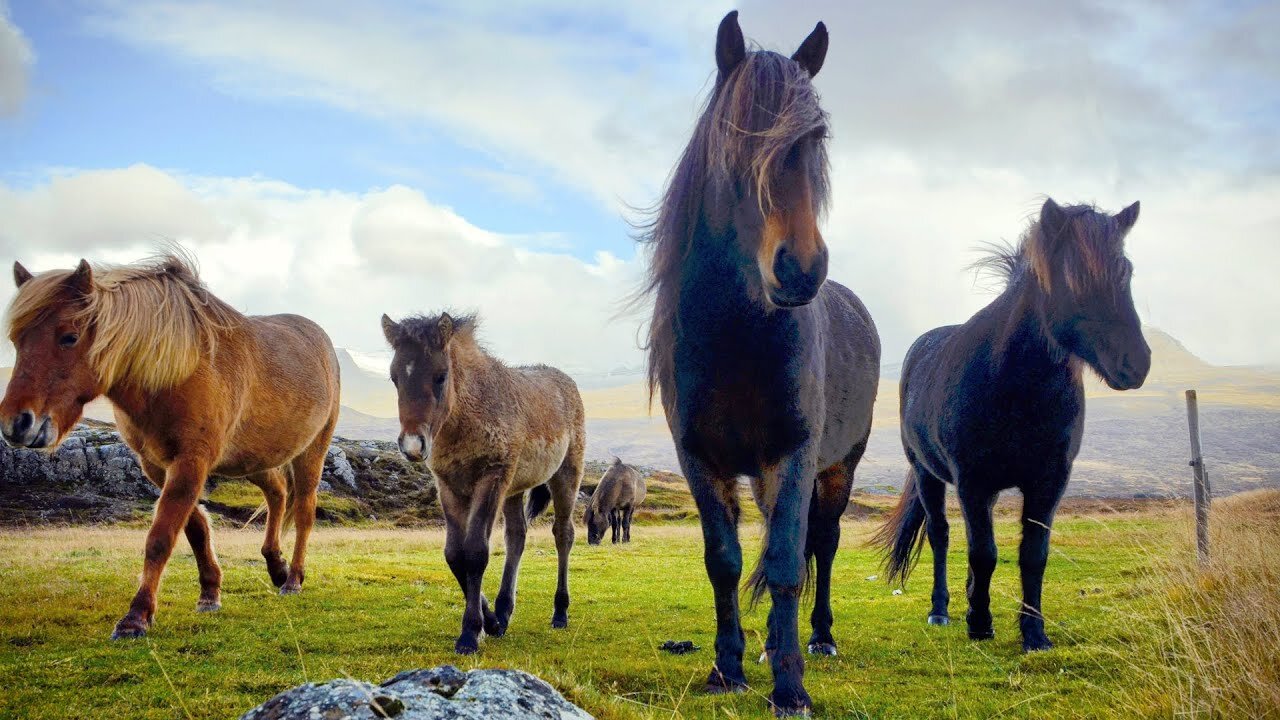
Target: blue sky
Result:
[344, 160]
[97, 102]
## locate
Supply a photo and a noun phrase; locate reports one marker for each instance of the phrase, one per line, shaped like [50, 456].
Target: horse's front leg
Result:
[487, 495]
[1038, 506]
[184, 479]
[516, 527]
[782, 568]
[717, 502]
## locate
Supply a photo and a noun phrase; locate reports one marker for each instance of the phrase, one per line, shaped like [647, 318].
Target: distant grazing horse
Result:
[765, 370]
[997, 402]
[197, 388]
[489, 433]
[620, 492]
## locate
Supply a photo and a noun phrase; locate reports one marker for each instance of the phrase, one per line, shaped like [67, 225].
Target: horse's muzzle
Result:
[26, 430]
[415, 446]
[797, 285]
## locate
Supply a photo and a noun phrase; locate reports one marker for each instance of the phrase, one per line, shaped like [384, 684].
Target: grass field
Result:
[378, 601]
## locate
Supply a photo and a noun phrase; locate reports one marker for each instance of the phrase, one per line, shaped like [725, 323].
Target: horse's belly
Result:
[538, 462]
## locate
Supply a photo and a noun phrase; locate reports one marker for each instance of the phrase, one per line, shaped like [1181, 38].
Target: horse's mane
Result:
[153, 320]
[747, 126]
[425, 329]
[1088, 256]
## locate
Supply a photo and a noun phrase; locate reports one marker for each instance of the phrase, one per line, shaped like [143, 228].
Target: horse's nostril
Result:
[23, 422]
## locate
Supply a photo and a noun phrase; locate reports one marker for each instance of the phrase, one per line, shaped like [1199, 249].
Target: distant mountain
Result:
[367, 392]
[1135, 442]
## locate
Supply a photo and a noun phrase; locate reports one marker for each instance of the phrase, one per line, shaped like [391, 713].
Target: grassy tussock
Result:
[1221, 621]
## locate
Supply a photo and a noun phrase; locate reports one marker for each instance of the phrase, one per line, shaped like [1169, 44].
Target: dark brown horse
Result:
[612, 505]
[765, 369]
[998, 403]
[491, 435]
[197, 389]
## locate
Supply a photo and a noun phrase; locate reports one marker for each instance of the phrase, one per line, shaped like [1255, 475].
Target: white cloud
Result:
[950, 122]
[16, 59]
[340, 258]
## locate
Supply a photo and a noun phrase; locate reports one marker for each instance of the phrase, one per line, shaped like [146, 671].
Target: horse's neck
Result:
[473, 370]
[1021, 342]
[713, 281]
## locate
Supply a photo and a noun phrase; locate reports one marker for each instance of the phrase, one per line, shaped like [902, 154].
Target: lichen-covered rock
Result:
[442, 693]
[94, 477]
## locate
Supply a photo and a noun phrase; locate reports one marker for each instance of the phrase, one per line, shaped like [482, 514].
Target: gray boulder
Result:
[442, 693]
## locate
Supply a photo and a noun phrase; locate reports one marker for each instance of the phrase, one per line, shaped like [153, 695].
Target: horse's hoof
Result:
[791, 703]
[495, 628]
[720, 684]
[560, 623]
[290, 589]
[466, 645]
[939, 620]
[822, 648]
[129, 629]
[982, 634]
[208, 606]
[1030, 645]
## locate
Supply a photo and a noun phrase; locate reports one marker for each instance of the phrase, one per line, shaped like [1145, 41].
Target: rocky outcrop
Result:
[442, 693]
[94, 477]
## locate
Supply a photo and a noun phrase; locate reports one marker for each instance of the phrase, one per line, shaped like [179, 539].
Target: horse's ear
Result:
[445, 327]
[20, 274]
[390, 330]
[813, 50]
[1127, 217]
[731, 47]
[81, 279]
[1053, 220]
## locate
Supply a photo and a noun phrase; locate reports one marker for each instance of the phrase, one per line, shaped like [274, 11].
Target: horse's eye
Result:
[394, 381]
[68, 339]
[440, 379]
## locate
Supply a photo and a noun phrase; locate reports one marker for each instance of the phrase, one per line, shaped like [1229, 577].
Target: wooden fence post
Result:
[1201, 479]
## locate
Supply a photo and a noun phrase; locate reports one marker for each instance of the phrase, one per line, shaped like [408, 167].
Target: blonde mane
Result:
[153, 320]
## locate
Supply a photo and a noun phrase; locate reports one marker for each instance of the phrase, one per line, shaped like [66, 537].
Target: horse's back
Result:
[552, 419]
[852, 371]
[550, 390]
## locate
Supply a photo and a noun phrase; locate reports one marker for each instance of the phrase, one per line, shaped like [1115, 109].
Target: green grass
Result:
[378, 601]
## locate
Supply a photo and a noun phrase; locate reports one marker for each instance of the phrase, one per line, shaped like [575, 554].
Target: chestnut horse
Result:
[765, 369]
[197, 389]
[998, 403]
[620, 492]
[491, 434]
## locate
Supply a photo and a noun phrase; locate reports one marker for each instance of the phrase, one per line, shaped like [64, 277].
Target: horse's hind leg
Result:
[564, 493]
[515, 526]
[307, 469]
[977, 508]
[933, 495]
[831, 496]
[626, 523]
[275, 491]
[1038, 507]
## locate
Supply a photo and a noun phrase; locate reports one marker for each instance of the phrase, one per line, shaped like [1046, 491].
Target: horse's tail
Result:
[539, 499]
[290, 489]
[287, 520]
[902, 535]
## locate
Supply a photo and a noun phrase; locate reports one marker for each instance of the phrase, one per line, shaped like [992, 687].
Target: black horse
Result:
[765, 370]
[998, 403]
